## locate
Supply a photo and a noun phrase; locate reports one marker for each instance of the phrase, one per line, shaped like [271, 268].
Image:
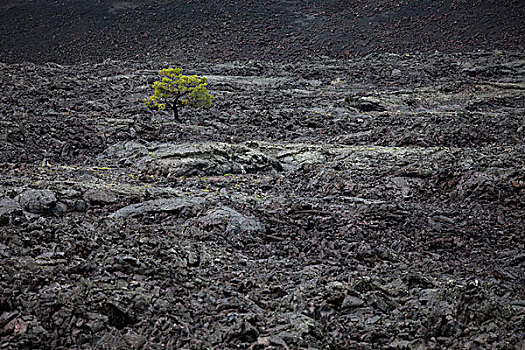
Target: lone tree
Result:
[175, 90]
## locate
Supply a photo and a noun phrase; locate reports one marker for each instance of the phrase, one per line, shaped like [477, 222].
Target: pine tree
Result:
[175, 90]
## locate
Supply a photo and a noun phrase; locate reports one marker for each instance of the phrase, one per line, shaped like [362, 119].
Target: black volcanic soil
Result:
[77, 30]
[369, 201]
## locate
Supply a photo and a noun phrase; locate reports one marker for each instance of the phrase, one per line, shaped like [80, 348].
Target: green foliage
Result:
[175, 90]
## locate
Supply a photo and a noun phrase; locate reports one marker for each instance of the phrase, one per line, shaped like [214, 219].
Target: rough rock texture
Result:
[76, 31]
[37, 201]
[233, 222]
[178, 206]
[371, 202]
[174, 160]
[9, 210]
[317, 205]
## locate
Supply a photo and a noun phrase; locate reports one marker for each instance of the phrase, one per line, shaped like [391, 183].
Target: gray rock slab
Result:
[205, 158]
[351, 302]
[232, 221]
[37, 201]
[180, 206]
[97, 196]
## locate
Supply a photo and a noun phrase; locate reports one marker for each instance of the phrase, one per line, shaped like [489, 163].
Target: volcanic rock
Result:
[37, 201]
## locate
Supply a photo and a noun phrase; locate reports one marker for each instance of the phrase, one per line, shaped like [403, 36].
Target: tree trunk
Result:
[176, 111]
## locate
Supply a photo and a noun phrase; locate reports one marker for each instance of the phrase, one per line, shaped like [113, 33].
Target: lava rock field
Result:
[331, 197]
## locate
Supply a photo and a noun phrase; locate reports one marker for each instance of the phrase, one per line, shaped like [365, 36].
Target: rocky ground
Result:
[279, 30]
[370, 203]
[335, 196]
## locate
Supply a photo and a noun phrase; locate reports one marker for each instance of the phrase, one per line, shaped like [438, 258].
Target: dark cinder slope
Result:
[76, 31]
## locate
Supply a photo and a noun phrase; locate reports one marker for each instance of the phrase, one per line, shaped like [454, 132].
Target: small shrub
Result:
[175, 90]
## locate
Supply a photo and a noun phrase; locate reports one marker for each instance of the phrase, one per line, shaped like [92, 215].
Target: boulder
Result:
[366, 104]
[232, 222]
[37, 201]
[9, 209]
